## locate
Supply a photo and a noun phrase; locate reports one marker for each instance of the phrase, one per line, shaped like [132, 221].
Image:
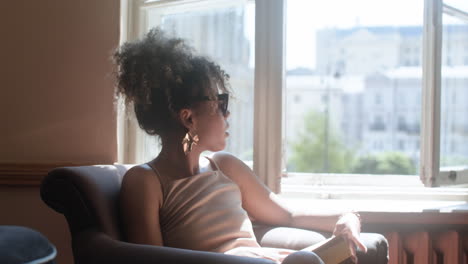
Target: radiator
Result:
[425, 247]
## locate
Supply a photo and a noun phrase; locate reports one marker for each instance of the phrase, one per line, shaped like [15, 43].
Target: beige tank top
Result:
[204, 212]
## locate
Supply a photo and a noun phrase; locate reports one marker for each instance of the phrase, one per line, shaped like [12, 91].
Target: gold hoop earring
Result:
[189, 141]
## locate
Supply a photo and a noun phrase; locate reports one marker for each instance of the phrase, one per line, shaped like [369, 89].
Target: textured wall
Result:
[56, 99]
[56, 86]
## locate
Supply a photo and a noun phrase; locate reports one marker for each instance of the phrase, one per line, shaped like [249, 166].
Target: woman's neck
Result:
[175, 162]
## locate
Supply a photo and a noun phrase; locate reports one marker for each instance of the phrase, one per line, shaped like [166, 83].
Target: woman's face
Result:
[211, 126]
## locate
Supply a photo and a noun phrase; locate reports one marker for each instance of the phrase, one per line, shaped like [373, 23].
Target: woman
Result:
[183, 99]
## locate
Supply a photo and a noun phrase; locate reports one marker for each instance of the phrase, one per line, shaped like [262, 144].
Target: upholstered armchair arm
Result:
[94, 247]
[286, 237]
[295, 238]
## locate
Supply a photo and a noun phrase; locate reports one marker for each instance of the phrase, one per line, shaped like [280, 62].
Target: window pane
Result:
[353, 87]
[459, 4]
[224, 33]
[454, 86]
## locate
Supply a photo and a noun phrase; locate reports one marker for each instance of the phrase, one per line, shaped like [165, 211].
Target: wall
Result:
[23, 207]
[56, 99]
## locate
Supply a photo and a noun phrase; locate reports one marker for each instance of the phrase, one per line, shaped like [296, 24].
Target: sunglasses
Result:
[223, 101]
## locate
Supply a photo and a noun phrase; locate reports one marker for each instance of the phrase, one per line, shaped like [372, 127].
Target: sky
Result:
[309, 15]
[304, 17]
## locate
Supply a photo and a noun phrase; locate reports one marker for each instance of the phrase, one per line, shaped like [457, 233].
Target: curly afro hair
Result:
[160, 75]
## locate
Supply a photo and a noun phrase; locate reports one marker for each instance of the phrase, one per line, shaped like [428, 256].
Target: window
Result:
[379, 83]
[453, 157]
[378, 99]
[402, 124]
[377, 124]
[297, 99]
[314, 78]
[401, 145]
[222, 31]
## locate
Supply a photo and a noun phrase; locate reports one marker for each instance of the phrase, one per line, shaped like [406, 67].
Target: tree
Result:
[385, 163]
[452, 160]
[318, 148]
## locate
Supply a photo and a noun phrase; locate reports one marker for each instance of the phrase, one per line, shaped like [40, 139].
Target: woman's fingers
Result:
[340, 228]
[349, 226]
[359, 244]
[354, 242]
[351, 233]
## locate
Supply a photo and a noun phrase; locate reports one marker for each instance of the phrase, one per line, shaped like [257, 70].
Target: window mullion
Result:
[431, 93]
[134, 137]
[269, 79]
[452, 11]
[127, 126]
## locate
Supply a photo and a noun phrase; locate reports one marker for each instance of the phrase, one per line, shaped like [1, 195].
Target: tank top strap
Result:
[213, 163]
[162, 180]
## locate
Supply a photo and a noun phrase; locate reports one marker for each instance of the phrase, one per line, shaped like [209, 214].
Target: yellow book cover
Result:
[334, 250]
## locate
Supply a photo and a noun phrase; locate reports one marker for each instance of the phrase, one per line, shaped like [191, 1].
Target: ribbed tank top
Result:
[204, 212]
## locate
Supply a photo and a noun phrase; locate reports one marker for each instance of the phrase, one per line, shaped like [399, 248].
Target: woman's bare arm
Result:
[140, 199]
[264, 205]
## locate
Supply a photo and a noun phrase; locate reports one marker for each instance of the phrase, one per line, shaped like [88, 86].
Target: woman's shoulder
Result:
[223, 158]
[233, 167]
[142, 170]
[139, 176]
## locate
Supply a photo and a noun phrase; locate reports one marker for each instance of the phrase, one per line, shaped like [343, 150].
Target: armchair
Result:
[88, 198]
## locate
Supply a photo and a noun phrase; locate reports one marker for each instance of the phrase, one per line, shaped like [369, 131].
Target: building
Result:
[223, 40]
[375, 74]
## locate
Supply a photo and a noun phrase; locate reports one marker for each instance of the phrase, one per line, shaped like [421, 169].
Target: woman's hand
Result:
[349, 226]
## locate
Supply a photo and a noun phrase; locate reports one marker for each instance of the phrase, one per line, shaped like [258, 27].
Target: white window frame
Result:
[431, 173]
[132, 141]
[270, 85]
[269, 89]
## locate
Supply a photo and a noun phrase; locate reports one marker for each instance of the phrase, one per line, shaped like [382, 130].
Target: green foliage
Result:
[451, 160]
[247, 155]
[312, 153]
[385, 163]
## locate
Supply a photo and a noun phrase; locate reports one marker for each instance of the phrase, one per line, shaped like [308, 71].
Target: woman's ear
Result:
[186, 118]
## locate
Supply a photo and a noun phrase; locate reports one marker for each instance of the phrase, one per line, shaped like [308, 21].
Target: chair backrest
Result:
[87, 196]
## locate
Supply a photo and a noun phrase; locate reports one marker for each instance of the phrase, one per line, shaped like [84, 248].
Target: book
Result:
[333, 250]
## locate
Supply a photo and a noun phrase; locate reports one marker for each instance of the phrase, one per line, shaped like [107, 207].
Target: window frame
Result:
[431, 174]
[270, 27]
[131, 139]
[129, 136]
[269, 83]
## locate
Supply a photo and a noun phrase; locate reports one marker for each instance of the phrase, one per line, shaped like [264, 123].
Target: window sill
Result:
[389, 212]
[367, 187]
[381, 205]
[366, 193]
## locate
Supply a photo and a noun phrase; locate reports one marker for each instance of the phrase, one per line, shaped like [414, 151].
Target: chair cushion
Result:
[24, 245]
